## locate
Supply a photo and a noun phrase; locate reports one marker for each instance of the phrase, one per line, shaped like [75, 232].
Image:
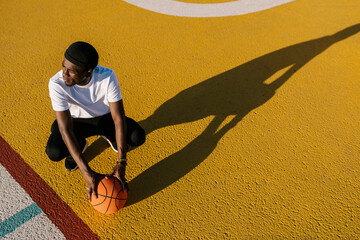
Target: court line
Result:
[18, 219]
[182, 9]
[43, 195]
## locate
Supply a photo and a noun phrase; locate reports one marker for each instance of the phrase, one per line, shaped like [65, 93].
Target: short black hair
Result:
[82, 54]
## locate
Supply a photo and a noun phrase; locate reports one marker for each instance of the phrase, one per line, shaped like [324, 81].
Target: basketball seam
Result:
[120, 199]
[110, 197]
[116, 198]
[102, 196]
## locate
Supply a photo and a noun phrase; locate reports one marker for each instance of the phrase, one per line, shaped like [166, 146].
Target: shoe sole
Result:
[109, 142]
[71, 170]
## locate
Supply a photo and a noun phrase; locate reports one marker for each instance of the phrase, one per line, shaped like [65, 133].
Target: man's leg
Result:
[84, 127]
[135, 133]
[56, 148]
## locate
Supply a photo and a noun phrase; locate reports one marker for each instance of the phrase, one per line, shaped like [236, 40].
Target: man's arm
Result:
[118, 115]
[65, 124]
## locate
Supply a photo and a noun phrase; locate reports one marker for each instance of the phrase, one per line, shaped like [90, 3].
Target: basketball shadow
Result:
[235, 92]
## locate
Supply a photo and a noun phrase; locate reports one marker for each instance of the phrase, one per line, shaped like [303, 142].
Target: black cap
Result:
[82, 54]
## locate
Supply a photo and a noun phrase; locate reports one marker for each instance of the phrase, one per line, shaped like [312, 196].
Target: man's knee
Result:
[54, 127]
[54, 153]
[137, 137]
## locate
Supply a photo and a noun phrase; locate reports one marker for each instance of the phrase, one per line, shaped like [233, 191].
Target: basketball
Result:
[110, 196]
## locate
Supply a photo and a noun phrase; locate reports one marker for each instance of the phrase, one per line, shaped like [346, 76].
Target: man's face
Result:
[73, 74]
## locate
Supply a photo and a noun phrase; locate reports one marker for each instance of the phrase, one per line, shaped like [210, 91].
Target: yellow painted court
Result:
[252, 119]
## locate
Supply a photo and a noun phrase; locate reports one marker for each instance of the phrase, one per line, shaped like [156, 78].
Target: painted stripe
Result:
[18, 219]
[13, 197]
[13, 200]
[182, 9]
[39, 227]
[45, 197]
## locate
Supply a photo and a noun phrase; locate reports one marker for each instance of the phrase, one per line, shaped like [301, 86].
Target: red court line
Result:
[45, 197]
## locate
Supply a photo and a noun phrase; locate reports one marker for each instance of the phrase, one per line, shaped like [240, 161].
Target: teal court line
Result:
[18, 219]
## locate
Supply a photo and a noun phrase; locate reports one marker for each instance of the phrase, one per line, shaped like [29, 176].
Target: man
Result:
[87, 101]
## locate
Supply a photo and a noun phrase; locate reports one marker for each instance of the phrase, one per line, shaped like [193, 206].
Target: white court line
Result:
[182, 9]
[14, 201]
[13, 197]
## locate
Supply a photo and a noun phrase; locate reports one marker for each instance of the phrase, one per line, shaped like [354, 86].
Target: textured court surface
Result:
[22, 214]
[252, 120]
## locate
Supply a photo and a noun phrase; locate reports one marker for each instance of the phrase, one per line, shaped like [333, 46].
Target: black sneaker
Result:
[111, 143]
[70, 164]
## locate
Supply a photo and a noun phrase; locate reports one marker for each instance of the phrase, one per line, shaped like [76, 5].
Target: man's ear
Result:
[89, 72]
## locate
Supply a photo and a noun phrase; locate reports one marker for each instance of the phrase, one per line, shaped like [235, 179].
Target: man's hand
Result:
[92, 179]
[119, 172]
[65, 124]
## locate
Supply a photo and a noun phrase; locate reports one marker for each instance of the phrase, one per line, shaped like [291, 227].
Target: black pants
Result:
[86, 127]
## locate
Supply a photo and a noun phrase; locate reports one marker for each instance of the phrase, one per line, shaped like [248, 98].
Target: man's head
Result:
[80, 60]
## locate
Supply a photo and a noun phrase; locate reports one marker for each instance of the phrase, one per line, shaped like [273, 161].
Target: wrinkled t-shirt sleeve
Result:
[58, 99]
[113, 91]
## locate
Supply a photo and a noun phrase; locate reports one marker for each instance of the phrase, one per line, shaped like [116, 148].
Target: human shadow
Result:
[235, 92]
[95, 149]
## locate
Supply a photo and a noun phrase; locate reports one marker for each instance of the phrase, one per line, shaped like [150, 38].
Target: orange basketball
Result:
[110, 196]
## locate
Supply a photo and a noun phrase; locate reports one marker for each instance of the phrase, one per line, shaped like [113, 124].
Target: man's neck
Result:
[84, 82]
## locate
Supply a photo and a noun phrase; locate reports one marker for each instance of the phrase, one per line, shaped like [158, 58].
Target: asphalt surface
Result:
[250, 107]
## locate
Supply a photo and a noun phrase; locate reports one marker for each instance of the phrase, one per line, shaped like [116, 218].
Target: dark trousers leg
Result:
[135, 133]
[86, 127]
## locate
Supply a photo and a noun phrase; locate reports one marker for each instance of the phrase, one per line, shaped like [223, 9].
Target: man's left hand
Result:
[119, 172]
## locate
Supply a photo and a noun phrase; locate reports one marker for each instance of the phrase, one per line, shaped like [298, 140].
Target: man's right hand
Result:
[92, 179]
[65, 124]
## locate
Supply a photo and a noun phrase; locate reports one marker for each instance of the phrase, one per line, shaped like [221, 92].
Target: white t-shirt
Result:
[91, 100]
